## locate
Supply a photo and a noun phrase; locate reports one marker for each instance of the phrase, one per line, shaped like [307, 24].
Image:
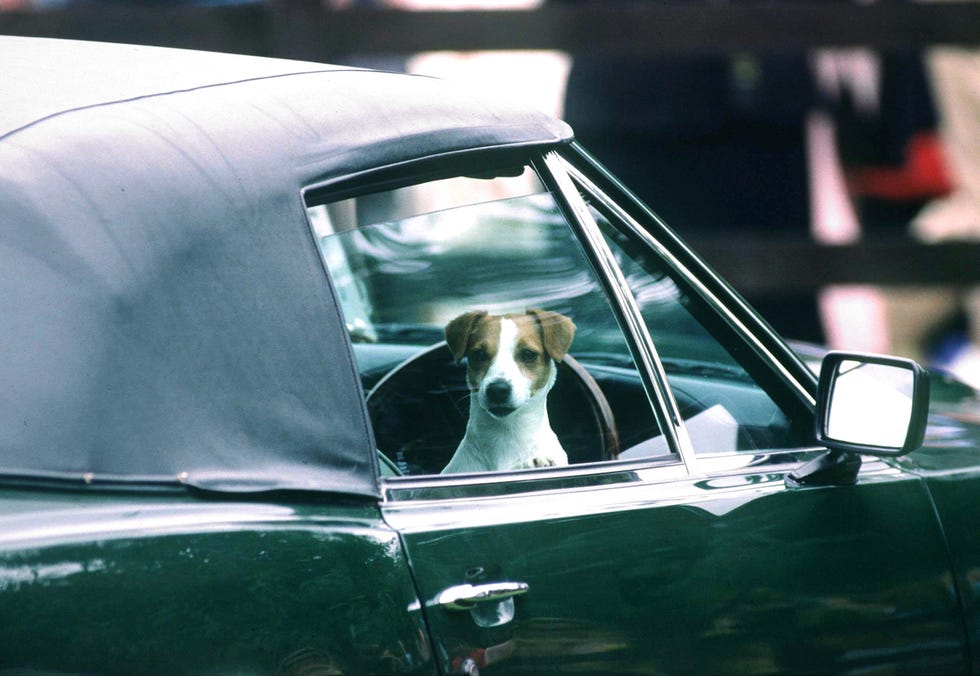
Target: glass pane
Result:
[407, 263]
[712, 373]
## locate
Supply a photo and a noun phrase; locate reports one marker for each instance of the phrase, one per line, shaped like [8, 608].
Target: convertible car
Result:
[227, 403]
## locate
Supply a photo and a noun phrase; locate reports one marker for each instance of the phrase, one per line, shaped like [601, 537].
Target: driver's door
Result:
[646, 571]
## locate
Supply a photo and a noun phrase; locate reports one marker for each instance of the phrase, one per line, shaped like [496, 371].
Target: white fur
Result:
[523, 438]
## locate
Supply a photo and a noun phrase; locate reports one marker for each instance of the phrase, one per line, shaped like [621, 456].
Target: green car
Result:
[250, 312]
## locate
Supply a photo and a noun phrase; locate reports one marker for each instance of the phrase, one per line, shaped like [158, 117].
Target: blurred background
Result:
[823, 155]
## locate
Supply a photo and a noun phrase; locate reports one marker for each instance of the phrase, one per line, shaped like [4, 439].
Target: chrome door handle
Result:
[466, 596]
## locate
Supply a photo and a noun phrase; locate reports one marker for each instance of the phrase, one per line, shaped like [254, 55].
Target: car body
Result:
[225, 403]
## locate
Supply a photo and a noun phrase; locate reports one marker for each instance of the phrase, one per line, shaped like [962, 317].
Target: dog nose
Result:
[498, 392]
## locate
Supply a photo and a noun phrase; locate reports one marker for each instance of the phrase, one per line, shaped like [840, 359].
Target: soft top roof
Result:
[48, 77]
[164, 315]
[44, 77]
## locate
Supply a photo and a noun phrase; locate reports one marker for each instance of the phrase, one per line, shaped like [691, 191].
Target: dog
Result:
[511, 366]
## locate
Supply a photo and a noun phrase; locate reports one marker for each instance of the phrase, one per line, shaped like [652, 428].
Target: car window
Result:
[415, 267]
[726, 394]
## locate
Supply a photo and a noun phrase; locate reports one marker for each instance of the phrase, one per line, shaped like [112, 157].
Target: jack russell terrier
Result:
[511, 367]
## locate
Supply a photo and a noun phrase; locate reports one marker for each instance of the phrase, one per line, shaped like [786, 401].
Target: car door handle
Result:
[466, 596]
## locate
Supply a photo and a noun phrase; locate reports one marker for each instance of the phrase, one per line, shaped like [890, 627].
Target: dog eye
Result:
[527, 355]
[479, 354]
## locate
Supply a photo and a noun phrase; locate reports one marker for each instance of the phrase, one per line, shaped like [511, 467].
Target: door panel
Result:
[727, 575]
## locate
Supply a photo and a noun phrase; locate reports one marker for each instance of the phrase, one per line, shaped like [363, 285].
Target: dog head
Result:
[510, 358]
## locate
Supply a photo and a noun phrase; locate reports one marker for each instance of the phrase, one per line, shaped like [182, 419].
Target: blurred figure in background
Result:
[955, 76]
[888, 139]
[875, 160]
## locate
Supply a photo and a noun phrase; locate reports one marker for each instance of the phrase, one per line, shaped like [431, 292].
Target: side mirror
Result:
[871, 404]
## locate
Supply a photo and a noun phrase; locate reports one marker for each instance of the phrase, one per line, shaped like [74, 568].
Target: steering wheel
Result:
[419, 411]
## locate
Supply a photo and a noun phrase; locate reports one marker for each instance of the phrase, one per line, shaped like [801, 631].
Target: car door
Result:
[682, 550]
[650, 571]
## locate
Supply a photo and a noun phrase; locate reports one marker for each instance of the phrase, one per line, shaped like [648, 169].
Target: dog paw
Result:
[541, 461]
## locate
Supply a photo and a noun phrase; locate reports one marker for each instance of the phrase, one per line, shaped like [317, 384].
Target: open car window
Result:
[405, 263]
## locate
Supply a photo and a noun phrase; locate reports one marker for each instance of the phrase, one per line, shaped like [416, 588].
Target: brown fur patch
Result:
[530, 352]
[557, 332]
[482, 346]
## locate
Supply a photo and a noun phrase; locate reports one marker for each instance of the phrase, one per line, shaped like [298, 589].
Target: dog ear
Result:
[458, 332]
[557, 332]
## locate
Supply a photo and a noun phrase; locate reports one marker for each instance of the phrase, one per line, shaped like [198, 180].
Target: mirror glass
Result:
[871, 404]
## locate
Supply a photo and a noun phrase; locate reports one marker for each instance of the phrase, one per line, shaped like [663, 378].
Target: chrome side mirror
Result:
[871, 404]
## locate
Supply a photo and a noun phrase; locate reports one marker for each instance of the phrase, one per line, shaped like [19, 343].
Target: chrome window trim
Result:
[651, 369]
[428, 515]
[669, 466]
[733, 321]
